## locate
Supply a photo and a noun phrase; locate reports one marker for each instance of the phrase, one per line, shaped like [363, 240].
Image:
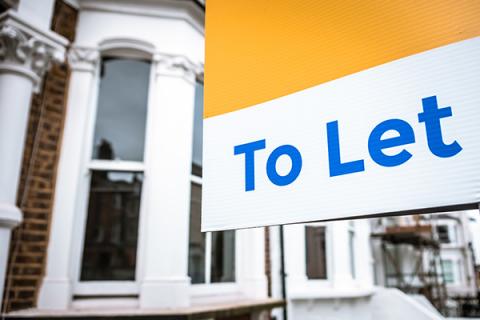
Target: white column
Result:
[341, 273]
[165, 280]
[252, 278]
[363, 256]
[295, 257]
[25, 55]
[56, 289]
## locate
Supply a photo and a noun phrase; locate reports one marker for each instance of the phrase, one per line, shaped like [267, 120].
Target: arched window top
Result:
[127, 48]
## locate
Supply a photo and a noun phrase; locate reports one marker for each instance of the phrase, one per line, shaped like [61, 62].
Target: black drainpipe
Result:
[282, 273]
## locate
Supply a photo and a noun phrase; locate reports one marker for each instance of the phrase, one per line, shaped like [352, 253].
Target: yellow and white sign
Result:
[319, 110]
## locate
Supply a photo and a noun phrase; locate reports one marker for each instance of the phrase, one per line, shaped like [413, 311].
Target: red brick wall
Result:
[37, 183]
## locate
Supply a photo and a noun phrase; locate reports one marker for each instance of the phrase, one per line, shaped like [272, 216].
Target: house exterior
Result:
[101, 179]
[109, 189]
[329, 269]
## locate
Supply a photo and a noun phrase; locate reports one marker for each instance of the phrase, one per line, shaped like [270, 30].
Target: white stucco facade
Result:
[348, 287]
[169, 34]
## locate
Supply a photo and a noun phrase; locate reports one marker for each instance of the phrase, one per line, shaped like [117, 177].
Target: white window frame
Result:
[110, 288]
[453, 233]
[453, 270]
[204, 288]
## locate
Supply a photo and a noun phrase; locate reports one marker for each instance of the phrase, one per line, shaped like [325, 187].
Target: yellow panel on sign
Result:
[259, 50]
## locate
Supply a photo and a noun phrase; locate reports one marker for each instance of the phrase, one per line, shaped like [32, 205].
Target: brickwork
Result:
[268, 262]
[37, 183]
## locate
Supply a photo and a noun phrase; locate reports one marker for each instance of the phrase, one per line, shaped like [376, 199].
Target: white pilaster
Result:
[26, 53]
[165, 278]
[363, 254]
[56, 290]
[295, 268]
[341, 273]
[252, 276]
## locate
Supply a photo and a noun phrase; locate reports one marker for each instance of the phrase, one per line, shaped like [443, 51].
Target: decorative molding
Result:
[187, 11]
[83, 58]
[129, 46]
[177, 66]
[17, 47]
[27, 51]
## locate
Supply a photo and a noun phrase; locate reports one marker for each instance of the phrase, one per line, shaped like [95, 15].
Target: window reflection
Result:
[198, 132]
[122, 110]
[110, 247]
[316, 257]
[223, 256]
[196, 252]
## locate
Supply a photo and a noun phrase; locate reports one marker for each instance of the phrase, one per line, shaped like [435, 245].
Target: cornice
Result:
[83, 58]
[169, 9]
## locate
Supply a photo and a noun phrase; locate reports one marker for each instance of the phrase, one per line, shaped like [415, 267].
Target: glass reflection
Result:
[110, 246]
[122, 110]
[223, 256]
[196, 248]
[198, 131]
[315, 241]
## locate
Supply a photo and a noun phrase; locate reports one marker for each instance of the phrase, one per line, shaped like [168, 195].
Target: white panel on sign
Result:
[397, 137]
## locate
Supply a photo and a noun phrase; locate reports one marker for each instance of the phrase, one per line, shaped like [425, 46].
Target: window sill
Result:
[332, 293]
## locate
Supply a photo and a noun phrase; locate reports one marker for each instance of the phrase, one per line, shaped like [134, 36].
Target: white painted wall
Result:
[331, 309]
[37, 12]
[392, 304]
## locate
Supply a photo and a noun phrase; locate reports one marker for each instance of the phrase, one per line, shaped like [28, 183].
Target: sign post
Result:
[339, 109]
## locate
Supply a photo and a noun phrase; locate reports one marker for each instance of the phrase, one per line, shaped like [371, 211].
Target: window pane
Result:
[448, 274]
[122, 110]
[198, 131]
[110, 247]
[223, 256]
[316, 252]
[443, 235]
[196, 246]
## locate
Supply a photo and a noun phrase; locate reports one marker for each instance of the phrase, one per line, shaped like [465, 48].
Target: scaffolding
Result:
[425, 274]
